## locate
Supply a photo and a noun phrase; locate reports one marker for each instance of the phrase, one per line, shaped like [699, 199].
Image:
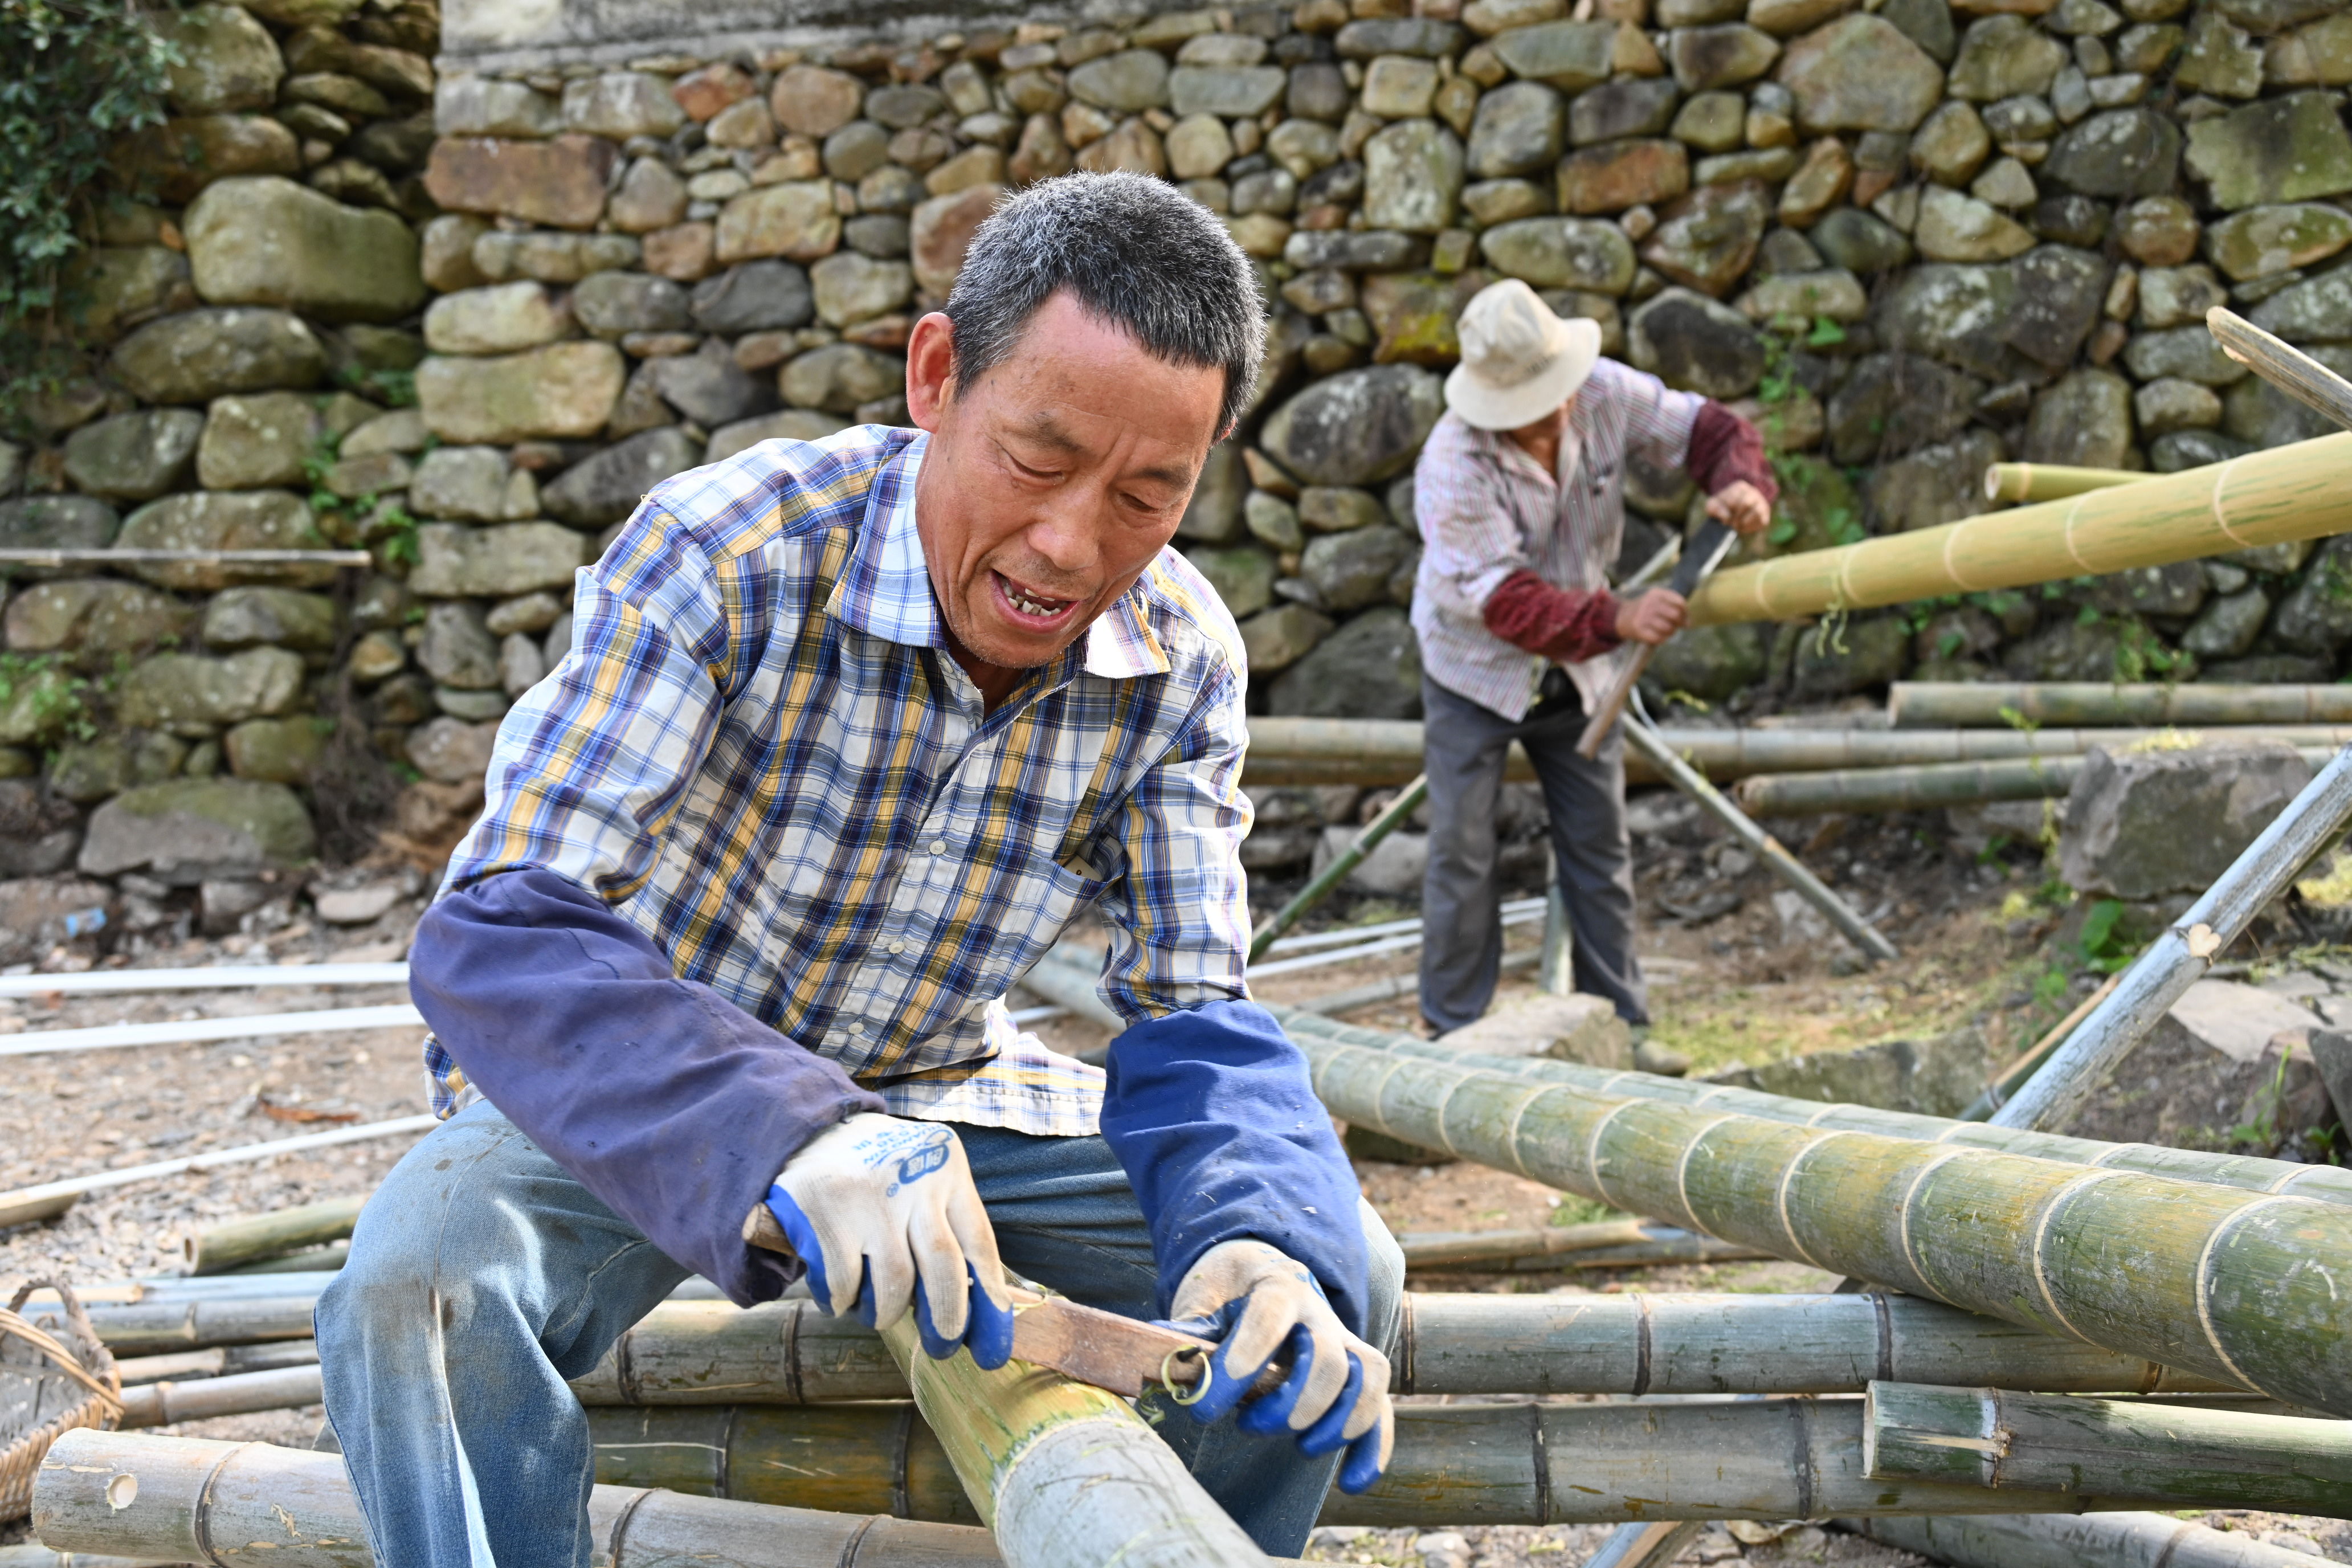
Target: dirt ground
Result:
[1734, 979]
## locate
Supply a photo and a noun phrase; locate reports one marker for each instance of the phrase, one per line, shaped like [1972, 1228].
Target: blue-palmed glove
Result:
[1257, 1303]
[878, 1206]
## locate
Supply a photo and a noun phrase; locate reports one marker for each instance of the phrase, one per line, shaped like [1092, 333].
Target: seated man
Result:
[851, 731]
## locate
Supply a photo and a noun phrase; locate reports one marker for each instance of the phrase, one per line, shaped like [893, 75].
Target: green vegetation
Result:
[80, 74]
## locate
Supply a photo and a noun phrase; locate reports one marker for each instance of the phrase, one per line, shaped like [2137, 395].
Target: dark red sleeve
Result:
[1562, 625]
[1724, 449]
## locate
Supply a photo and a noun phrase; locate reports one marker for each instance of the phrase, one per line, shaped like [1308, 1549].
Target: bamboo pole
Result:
[224, 1505]
[1461, 1464]
[1996, 1094]
[2285, 493]
[2052, 481]
[168, 1403]
[1906, 789]
[786, 1352]
[1609, 1244]
[2233, 1286]
[2246, 1172]
[1645, 1545]
[1733, 754]
[2172, 1454]
[1934, 705]
[221, 1247]
[2080, 1540]
[2179, 958]
[2288, 368]
[217, 1361]
[51, 1199]
[33, 1554]
[1320, 886]
[1066, 1475]
[140, 1327]
[1866, 938]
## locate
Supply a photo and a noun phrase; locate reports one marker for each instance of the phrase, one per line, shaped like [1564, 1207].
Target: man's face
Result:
[1052, 482]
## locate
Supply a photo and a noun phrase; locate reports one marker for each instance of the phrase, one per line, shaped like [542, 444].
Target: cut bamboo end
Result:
[2285, 493]
[2052, 481]
[223, 1247]
[199, 1501]
[2171, 1455]
[1066, 1475]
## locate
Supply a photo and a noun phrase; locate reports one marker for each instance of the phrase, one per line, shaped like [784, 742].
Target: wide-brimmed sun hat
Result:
[1520, 360]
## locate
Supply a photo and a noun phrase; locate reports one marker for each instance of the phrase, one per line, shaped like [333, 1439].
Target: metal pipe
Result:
[2243, 1172]
[201, 1501]
[2052, 481]
[2172, 1456]
[2001, 705]
[2179, 958]
[1787, 867]
[1321, 885]
[51, 1199]
[2273, 497]
[261, 1026]
[2080, 1540]
[2233, 1286]
[207, 977]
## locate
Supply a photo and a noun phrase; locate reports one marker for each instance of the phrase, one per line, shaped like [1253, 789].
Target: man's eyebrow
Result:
[1045, 430]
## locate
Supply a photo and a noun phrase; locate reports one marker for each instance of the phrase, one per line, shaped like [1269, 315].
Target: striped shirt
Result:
[759, 751]
[1488, 509]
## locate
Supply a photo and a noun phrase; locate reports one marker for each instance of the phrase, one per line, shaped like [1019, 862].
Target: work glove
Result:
[877, 1205]
[1257, 1303]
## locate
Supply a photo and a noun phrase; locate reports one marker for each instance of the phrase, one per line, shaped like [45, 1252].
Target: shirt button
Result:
[897, 947]
[939, 845]
[857, 1028]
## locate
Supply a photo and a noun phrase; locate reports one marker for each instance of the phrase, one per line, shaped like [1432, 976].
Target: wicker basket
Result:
[46, 1390]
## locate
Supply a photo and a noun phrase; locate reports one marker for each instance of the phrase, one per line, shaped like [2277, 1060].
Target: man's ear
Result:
[930, 370]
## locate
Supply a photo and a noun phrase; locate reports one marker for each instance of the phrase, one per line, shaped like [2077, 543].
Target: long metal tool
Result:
[1397, 811]
[1785, 866]
[2179, 958]
[1707, 548]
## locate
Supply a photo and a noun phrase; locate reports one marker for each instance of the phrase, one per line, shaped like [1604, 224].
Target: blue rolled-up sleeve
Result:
[1212, 1116]
[672, 1105]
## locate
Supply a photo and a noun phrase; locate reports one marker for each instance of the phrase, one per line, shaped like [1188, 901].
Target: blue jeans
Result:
[482, 1277]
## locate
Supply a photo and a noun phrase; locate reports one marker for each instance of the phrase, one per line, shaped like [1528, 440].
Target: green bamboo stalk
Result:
[221, 1247]
[2236, 1286]
[1066, 1475]
[786, 1352]
[1921, 788]
[139, 1327]
[2272, 496]
[1461, 1464]
[2081, 1540]
[228, 1505]
[1934, 705]
[2173, 1456]
[1391, 815]
[2325, 1184]
[1610, 1244]
[2052, 481]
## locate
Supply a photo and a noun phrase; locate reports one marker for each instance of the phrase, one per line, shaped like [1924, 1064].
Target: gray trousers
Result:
[1466, 745]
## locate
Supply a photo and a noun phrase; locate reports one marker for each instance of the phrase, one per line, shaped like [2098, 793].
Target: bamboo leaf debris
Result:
[2173, 1456]
[2234, 1286]
[228, 1505]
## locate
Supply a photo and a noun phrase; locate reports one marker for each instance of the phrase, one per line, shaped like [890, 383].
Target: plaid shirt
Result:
[1488, 509]
[759, 751]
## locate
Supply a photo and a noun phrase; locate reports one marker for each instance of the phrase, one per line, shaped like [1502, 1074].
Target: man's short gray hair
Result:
[1135, 252]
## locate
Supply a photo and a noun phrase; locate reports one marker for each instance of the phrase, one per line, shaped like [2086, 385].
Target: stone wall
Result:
[1911, 237]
